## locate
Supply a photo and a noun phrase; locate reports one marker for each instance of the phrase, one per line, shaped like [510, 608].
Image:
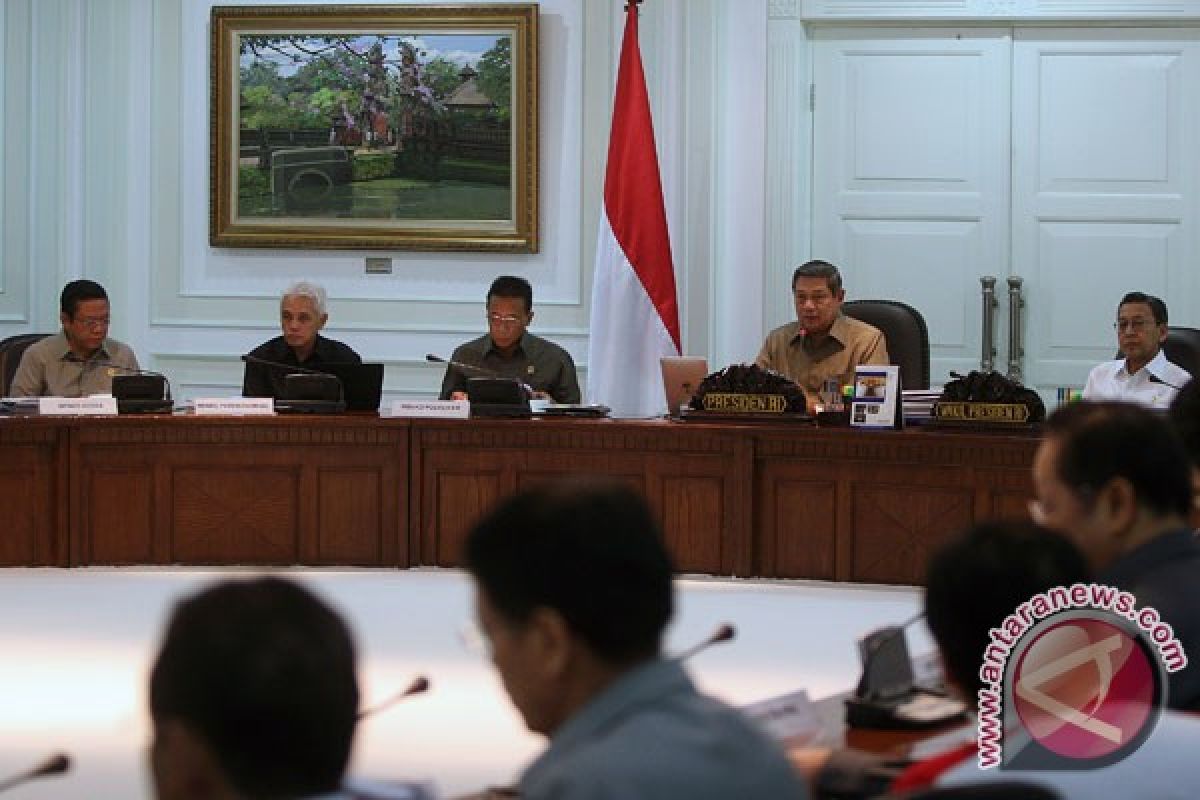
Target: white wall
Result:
[105, 175]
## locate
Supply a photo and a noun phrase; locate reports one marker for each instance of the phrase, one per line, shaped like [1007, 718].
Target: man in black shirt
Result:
[302, 315]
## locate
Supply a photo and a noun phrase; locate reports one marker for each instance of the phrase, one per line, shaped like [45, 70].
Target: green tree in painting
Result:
[495, 75]
[441, 75]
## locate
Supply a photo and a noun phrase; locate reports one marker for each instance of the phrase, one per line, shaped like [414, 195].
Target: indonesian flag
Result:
[635, 316]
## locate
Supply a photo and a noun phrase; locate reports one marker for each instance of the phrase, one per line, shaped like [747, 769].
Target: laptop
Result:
[362, 384]
[681, 378]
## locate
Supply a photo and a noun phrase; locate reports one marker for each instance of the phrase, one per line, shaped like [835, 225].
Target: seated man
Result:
[1116, 480]
[1144, 375]
[253, 694]
[1015, 561]
[573, 591]
[508, 350]
[302, 314]
[822, 343]
[80, 360]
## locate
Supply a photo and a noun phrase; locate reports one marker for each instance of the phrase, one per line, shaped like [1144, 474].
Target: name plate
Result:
[431, 409]
[729, 402]
[235, 406]
[790, 717]
[1002, 413]
[77, 406]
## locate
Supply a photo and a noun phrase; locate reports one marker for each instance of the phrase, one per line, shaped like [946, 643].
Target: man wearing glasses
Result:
[1116, 479]
[1143, 376]
[80, 360]
[822, 343]
[508, 350]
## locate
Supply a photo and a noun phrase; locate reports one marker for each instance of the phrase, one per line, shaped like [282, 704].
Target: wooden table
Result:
[773, 500]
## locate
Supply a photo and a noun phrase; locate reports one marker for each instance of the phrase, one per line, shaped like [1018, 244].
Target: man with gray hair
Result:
[302, 315]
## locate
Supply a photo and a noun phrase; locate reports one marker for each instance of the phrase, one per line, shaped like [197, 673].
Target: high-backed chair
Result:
[1182, 348]
[906, 334]
[11, 350]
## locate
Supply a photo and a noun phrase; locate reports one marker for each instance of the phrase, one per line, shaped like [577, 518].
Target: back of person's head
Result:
[1185, 416]
[819, 269]
[77, 292]
[1098, 442]
[1157, 307]
[512, 286]
[592, 552]
[313, 292]
[976, 580]
[263, 673]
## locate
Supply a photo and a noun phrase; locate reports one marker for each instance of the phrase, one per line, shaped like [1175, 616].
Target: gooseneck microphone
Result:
[280, 365]
[56, 764]
[874, 647]
[420, 684]
[482, 372]
[724, 633]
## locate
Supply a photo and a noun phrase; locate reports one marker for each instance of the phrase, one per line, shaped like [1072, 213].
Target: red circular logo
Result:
[1086, 688]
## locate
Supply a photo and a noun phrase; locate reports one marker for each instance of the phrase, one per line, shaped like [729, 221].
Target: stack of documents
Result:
[918, 404]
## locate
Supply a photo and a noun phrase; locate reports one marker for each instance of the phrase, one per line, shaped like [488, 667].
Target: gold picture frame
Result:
[375, 127]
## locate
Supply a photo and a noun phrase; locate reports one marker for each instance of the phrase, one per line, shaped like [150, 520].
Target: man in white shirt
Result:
[1143, 376]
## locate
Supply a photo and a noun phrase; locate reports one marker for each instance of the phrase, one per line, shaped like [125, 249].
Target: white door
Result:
[911, 173]
[912, 193]
[1105, 183]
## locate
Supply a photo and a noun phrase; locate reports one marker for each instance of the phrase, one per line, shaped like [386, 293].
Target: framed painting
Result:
[375, 127]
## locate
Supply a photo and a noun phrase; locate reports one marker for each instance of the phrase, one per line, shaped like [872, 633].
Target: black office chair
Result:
[1182, 348]
[906, 334]
[11, 350]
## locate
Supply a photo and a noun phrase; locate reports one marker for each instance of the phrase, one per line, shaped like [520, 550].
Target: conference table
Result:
[750, 499]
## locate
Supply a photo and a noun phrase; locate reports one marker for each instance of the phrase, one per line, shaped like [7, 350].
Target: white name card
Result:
[234, 406]
[77, 406]
[431, 409]
[789, 717]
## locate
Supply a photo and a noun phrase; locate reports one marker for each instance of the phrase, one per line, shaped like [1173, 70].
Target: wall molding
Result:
[1053, 11]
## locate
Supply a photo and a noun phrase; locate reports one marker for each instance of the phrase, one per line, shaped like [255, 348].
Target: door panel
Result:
[910, 172]
[1104, 186]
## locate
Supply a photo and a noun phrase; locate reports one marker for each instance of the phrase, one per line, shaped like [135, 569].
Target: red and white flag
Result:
[635, 315]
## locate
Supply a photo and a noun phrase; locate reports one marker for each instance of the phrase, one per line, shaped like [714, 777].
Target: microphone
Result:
[724, 633]
[56, 764]
[420, 684]
[280, 365]
[483, 372]
[874, 647]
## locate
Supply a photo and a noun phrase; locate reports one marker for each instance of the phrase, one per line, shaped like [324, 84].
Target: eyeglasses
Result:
[817, 299]
[1134, 325]
[504, 319]
[94, 323]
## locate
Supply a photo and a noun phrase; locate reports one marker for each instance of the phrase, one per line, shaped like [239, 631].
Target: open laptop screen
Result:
[681, 378]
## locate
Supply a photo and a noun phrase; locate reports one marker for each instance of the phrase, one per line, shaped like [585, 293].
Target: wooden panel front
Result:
[318, 490]
[692, 479]
[871, 506]
[33, 493]
[742, 499]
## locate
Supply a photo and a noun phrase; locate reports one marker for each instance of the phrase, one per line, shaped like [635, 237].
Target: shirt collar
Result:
[635, 689]
[1165, 547]
[1155, 366]
[489, 346]
[837, 331]
[62, 346]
